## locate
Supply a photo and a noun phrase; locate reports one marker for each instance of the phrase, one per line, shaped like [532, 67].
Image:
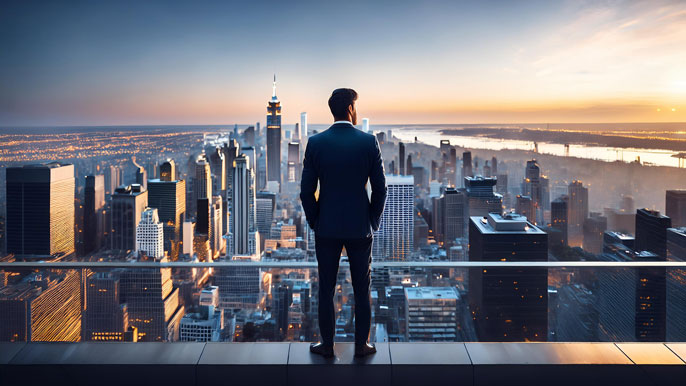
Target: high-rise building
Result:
[578, 211]
[394, 239]
[40, 210]
[294, 170]
[431, 314]
[105, 317]
[594, 230]
[481, 199]
[401, 158]
[168, 196]
[243, 212]
[112, 178]
[675, 207]
[44, 307]
[215, 156]
[203, 325]
[508, 304]
[141, 175]
[240, 287]
[303, 125]
[265, 205]
[248, 136]
[217, 241]
[651, 232]
[274, 138]
[676, 292]
[651, 286]
[558, 219]
[149, 234]
[93, 216]
[365, 125]
[188, 234]
[168, 170]
[128, 203]
[533, 186]
[453, 212]
[466, 165]
[152, 302]
[202, 184]
[524, 206]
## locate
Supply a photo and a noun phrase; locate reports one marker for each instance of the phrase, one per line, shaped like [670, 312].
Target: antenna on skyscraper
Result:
[274, 87]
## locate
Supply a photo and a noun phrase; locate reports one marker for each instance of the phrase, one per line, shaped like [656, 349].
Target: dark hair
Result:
[339, 101]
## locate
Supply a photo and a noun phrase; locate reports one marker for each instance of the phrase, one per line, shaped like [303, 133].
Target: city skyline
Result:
[437, 62]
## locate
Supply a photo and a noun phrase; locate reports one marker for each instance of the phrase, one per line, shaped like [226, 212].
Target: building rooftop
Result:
[416, 293]
[394, 179]
[505, 223]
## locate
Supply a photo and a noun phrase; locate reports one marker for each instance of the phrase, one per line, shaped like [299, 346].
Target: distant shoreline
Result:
[590, 126]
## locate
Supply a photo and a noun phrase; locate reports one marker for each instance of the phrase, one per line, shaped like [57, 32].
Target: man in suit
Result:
[342, 159]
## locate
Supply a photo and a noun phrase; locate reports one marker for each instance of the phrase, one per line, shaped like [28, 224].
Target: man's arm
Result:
[377, 180]
[308, 186]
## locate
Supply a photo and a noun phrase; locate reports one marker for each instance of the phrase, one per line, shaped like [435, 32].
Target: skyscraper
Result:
[168, 196]
[453, 212]
[293, 162]
[395, 238]
[558, 219]
[532, 186]
[40, 209]
[296, 133]
[651, 232]
[481, 198]
[243, 204]
[675, 207]
[303, 125]
[248, 137]
[105, 317]
[594, 229]
[149, 234]
[215, 156]
[525, 207]
[274, 138]
[365, 125]
[202, 184]
[168, 170]
[93, 216]
[152, 302]
[401, 158]
[508, 304]
[128, 203]
[141, 175]
[578, 211]
[466, 165]
[44, 307]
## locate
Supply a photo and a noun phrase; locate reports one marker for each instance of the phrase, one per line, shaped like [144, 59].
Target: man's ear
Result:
[351, 112]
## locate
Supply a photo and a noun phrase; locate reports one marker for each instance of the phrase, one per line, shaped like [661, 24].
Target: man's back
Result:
[341, 159]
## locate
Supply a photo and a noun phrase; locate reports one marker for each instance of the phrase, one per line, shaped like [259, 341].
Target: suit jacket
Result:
[342, 159]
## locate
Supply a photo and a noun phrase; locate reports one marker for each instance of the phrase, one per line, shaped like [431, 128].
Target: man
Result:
[342, 159]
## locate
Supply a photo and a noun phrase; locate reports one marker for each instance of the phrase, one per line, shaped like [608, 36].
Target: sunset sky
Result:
[195, 62]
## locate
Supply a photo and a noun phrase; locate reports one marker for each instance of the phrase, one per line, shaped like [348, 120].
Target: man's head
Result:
[342, 105]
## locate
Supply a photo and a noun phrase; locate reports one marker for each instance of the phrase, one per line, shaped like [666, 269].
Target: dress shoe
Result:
[362, 350]
[322, 349]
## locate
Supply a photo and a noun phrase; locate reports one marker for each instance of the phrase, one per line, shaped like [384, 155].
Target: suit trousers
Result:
[360, 257]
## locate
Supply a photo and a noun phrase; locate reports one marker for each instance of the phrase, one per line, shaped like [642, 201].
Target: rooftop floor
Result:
[276, 364]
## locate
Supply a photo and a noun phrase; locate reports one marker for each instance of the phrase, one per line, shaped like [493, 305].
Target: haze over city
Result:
[160, 62]
[314, 192]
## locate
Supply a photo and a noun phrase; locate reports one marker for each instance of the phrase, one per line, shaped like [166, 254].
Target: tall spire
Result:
[274, 88]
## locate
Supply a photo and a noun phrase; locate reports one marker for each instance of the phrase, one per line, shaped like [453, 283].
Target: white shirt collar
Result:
[348, 122]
